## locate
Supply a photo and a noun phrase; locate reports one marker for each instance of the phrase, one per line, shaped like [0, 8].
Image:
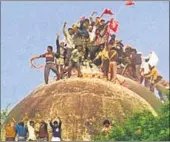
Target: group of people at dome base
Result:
[40, 130]
[93, 41]
[29, 130]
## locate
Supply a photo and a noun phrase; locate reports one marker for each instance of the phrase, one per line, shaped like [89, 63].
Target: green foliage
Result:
[142, 126]
[4, 114]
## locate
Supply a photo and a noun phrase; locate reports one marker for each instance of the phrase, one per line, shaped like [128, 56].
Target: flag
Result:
[129, 3]
[113, 25]
[34, 66]
[107, 11]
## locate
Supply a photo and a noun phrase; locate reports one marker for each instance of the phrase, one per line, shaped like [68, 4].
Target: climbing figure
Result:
[151, 77]
[106, 128]
[50, 65]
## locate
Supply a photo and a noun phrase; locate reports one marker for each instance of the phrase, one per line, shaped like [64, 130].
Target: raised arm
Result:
[51, 124]
[91, 16]
[28, 124]
[57, 44]
[13, 120]
[98, 56]
[105, 30]
[60, 122]
[64, 29]
[16, 124]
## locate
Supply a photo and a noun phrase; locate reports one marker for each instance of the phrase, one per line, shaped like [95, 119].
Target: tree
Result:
[4, 113]
[3, 116]
[142, 126]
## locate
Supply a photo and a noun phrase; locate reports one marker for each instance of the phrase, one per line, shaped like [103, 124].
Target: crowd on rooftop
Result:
[91, 41]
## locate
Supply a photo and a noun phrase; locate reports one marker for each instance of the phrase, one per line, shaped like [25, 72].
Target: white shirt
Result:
[31, 132]
[69, 40]
[92, 34]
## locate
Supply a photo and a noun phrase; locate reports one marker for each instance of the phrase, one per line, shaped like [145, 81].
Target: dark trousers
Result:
[68, 56]
[48, 67]
[106, 67]
[97, 62]
[93, 51]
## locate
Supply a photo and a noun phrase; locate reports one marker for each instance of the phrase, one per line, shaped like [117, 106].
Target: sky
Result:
[28, 27]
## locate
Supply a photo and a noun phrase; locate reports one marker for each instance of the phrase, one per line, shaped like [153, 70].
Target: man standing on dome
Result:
[50, 65]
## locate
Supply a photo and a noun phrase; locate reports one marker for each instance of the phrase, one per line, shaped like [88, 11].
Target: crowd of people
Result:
[29, 130]
[89, 41]
[93, 41]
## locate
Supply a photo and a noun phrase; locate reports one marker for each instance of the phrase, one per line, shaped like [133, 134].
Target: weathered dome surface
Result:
[83, 104]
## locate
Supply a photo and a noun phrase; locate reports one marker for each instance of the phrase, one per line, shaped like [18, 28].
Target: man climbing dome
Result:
[50, 65]
[151, 77]
[106, 128]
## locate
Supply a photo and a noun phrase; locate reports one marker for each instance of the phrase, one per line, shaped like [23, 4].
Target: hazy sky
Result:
[28, 27]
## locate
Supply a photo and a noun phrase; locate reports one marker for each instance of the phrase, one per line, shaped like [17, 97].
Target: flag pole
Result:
[119, 10]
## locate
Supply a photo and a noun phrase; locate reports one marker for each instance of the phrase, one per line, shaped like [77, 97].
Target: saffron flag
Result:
[107, 11]
[129, 3]
[114, 25]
